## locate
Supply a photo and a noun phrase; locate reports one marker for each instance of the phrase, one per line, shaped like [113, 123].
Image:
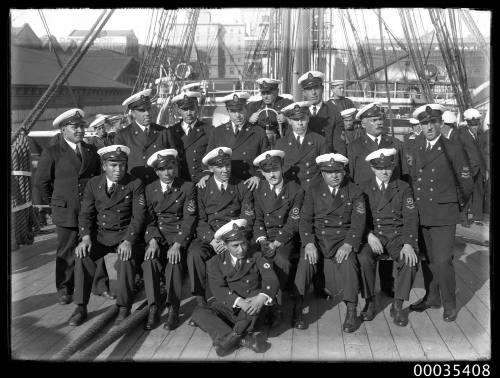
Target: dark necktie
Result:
[188, 130]
[222, 190]
[167, 189]
[382, 187]
[274, 191]
[428, 146]
[236, 130]
[377, 140]
[298, 140]
[237, 266]
[78, 153]
[146, 130]
[314, 111]
[111, 189]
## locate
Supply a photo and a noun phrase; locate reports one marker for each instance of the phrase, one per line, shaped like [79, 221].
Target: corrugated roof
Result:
[103, 33]
[39, 67]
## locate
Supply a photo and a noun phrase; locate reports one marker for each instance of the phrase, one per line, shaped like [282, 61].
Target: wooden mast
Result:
[302, 52]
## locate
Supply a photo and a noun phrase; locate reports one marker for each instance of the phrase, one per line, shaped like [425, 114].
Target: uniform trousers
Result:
[437, 242]
[85, 270]
[173, 274]
[218, 320]
[342, 275]
[199, 253]
[405, 275]
[476, 201]
[67, 240]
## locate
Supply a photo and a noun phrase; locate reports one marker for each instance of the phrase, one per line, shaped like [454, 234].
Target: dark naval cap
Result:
[382, 158]
[429, 112]
[115, 152]
[297, 110]
[233, 231]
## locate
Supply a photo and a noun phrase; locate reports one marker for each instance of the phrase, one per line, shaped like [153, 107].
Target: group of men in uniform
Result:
[218, 203]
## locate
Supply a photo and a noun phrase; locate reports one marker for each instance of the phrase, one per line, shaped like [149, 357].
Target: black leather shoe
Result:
[450, 315]
[227, 344]
[422, 305]
[251, 342]
[65, 299]
[78, 316]
[123, 313]
[399, 316]
[153, 318]
[173, 318]
[368, 312]
[108, 295]
[298, 318]
[350, 321]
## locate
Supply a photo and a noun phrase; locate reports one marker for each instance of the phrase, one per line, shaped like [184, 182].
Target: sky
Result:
[62, 21]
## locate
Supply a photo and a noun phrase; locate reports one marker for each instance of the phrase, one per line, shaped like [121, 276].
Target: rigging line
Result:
[388, 94]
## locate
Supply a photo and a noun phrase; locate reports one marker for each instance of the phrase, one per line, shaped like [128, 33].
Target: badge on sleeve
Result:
[295, 213]
[409, 203]
[141, 200]
[249, 211]
[190, 206]
[266, 265]
[360, 208]
[465, 172]
[409, 159]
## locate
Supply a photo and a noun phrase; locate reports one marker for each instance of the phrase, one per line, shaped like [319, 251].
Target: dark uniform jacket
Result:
[254, 276]
[473, 151]
[119, 217]
[441, 181]
[328, 222]
[342, 103]
[484, 142]
[216, 209]
[300, 160]
[329, 124]
[269, 117]
[190, 148]
[277, 218]
[61, 179]
[359, 149]
[142, 147]
[250, 142]
[172, 215]
[392, 215]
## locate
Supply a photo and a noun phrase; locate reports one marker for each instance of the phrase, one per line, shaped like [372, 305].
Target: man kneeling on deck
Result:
[242, 285]
[172, 214]
[111, 219]
[392, 227]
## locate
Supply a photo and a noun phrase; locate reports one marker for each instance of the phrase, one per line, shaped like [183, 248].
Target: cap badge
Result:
[428, 109]
[332, 160]
[381, 155]
[310, 76]
[186, 97]
[221, 152]
[118, 149]
[77, 114]
[235, 226]
[268, 156]
[235, 97]
[296, 107]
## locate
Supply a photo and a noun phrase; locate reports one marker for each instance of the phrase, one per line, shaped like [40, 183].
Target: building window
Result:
[231, 71]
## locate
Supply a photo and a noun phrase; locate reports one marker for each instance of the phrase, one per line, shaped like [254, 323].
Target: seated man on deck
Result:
[242, 285]
[171, 203]
[111, 220]
[392, 228]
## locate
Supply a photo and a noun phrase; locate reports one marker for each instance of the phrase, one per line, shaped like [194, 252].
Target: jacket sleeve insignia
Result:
[141, 200]
[465, 175]
[295, 213]
[409, 203]
[190, 206]
[360, 207]
[266, 266]
[409, 159]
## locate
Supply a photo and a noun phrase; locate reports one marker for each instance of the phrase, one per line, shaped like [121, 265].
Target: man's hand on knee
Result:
[83, 248]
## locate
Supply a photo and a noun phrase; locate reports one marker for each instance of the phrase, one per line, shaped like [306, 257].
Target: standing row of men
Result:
[112, 217]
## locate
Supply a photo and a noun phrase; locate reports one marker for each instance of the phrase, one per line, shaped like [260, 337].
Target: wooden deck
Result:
[39, 325]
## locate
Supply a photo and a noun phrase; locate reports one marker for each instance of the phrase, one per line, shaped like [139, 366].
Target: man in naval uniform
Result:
[62, 173]
[351, 132]
[243, 285]
[338, 98]
[142, 136]
[112, 220]
[469, 136]
[332, 223]
[301, 146]
[189, 136]
[270, 100]
[277, 205]
[325, 118]
[442, 184]
[245, 140]
[415, 131]
[392, 229]
[223, 198]
[101, 139]
[449, 129]
[372, 120]
[171, 203]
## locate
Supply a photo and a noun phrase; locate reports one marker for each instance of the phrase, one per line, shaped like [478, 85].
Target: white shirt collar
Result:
[71, 144]
[433, 142]
[141, 126]
[219, 183]
[318, 107]
[277, 187]
[332, 188]
[379, 182]
[109, 182]
[233, 259]
[296, 135]
[235, 127]
[164, 187]
[372, 137]
[471, 133]
[185, 126]
[447, 136]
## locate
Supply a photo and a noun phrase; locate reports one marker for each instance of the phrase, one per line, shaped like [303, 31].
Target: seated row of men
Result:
[331, 219]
